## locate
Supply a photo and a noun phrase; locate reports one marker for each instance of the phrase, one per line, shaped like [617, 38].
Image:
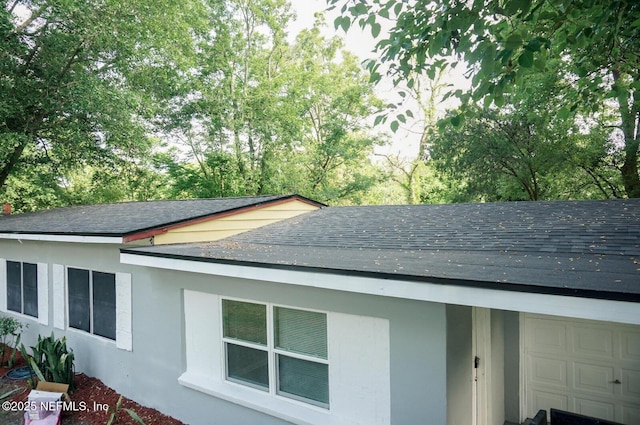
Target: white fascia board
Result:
[528, 302]
[63, 238]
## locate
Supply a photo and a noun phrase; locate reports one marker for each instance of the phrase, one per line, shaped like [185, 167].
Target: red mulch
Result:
[94, 403]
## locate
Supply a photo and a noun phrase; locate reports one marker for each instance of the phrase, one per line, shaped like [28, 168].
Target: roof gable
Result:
[128, 218]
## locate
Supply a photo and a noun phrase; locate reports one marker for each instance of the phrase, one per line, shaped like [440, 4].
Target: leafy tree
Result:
[336, 100]
[503, 41]
[81, 79]
[524, 151]
[266, 116]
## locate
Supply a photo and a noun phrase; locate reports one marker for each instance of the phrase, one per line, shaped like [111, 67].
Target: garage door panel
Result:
[589, 342]
[630, 384]
[587, 367]
[546, 336]
[590, 377]
[548, 400]
[630, 341]
[630, 414]
[595, 408]
[548, 371]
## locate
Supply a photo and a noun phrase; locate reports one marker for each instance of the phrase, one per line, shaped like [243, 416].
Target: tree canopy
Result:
[504, 41]
[104, 101]
[81, 80]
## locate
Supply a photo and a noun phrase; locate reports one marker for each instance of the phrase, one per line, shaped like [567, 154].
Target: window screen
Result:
[22, 287]
[300, 331]
[104, 304]
[245, 321]
[30, 289]
[248, 365]
[79, 300]
[14, 286]
[302, 378]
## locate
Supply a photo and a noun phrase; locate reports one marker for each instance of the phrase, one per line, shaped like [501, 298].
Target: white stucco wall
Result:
[149, 372]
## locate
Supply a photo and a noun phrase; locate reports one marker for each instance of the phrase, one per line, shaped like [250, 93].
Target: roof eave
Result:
[69, 237]
[569, 305]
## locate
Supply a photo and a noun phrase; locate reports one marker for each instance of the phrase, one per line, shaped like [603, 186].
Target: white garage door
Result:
[586, 367]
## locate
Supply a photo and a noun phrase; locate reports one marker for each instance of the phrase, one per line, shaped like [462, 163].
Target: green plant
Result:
[114, 410]
[51, 360]
[10, 332]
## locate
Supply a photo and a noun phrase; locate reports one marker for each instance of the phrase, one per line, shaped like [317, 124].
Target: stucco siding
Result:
[149, 373]
[95, 356]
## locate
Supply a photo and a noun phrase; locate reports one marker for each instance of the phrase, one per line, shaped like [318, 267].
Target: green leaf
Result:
[513, 6]
[134, 416]
[488, 61]
[526, 59]
[534, 45]
[394, 126]
[402, 118]
[563, 113]
[360, 9]
[397, 8]
[375, 29]
[514, 41]
[36, 369]
[343, 22]
[456, 120]
[540, 63]
[409, 113]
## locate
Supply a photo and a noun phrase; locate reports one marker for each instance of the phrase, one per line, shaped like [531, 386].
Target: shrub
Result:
[10, 332]
[51, 361]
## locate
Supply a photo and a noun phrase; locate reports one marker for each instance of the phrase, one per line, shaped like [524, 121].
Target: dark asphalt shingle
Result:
[581, 247]
[120, 219]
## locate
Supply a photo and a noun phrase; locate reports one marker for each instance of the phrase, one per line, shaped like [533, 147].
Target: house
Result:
[60, 269]
[438, 314]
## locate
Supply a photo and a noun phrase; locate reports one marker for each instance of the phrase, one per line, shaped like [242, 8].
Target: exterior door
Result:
[481, 392]
[586, 367]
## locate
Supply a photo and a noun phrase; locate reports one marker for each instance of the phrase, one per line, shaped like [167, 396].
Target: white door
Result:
[586, 367]
[488, 349]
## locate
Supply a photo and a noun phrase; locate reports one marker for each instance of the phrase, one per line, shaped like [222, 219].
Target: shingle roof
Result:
[591, 248]
[120, 219]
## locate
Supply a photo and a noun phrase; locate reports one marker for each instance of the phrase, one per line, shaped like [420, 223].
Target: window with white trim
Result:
[91, 298]
[276, 349]
[22, 288]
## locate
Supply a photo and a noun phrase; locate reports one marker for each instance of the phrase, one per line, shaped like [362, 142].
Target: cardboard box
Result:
[45, 399]
[54, 387]
[52, 419]
[39, 403]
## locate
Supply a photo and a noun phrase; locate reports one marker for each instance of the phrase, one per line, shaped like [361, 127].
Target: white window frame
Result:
[124, 335]
[358, 352]
[42, 282]
[272, 352]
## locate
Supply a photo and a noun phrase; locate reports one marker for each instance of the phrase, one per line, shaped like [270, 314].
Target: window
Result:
[22, 288]
[278, 350]
[298, 365]
[92, 301]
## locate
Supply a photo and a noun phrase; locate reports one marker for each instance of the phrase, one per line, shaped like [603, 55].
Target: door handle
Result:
[617, 381]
